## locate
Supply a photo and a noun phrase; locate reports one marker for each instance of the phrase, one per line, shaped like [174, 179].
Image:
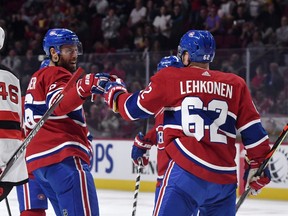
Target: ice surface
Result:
[119, 203]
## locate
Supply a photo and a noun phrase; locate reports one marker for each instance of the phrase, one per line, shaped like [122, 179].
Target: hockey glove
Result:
[92, 84]
[256, 183]
[112, 91]
[139, 150]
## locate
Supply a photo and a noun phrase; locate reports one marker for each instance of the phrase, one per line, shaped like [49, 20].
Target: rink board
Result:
[113, 169]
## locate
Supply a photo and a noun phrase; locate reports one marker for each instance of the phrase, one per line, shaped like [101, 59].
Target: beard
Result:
[67, 65]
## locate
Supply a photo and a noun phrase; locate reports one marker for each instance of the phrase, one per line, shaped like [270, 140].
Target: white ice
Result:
[119, 203]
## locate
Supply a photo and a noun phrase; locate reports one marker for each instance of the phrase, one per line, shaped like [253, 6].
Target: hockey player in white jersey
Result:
[10, 128]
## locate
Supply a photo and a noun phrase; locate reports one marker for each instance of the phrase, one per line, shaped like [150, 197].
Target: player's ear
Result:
[54, 55]
[185, 58]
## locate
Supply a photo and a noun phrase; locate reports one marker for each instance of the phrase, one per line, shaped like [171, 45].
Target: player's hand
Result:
[139, 150]
[112, 91]
[92, 84]
[256, 183]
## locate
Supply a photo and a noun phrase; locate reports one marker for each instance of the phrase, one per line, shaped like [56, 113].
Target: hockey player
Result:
[59, 155]
[10, 128]
[31, 198]
[154, 136]
[203, 109]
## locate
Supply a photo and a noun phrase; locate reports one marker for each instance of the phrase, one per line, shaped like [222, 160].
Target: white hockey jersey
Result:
[10, 126]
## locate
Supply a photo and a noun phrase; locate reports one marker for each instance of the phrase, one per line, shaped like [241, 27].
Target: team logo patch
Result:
[65, 212]
[191, 34]
[41, 196]
[206, 73]
[53, 33]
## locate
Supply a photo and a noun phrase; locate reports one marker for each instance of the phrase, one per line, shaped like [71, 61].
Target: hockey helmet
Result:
[199, 44]
[2, 37]
[44, 63]
[58, 37]
[168, 61]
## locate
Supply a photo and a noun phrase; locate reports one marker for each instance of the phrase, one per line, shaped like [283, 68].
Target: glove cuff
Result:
[115, 104]
[140, 143]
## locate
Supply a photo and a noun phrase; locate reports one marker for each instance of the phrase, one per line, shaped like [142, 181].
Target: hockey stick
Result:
[8, 206]
[277, 143]
[40, 123]
[139, 170]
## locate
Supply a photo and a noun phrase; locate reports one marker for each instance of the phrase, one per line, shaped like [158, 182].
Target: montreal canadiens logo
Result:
[41, 196]
[53, 33]
[191, 34]
[279, 166]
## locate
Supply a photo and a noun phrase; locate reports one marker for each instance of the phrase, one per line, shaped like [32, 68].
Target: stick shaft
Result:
[8, 206]
[277, 143]
[139, 170]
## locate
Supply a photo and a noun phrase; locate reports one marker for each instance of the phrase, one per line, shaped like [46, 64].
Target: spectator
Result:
[282, 33]
[256, 45]
[41, 22]
[18, 26]
[201, 19]
[213, 22]
[226, 8]
[100, 5]
[263, 103]
[139, 39]
[247, 32]
[162, 25]
[240, 16]
[268, 21]
[110, 26]
[137, 15]
[195, 9]
[254, 7]
[151, 11]
[258, 81]
[28, 66]
[274, 81]
[57, 17]
[177, 27]
[12, 61]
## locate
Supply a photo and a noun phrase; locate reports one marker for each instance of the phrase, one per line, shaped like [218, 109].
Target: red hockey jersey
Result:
[203, 109]
[63, 135]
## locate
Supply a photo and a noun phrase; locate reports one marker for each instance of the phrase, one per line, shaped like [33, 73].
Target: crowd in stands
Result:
[107, 27]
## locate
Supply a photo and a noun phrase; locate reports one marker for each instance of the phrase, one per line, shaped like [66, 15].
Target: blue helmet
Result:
[199, 44]
[168, 61]
[44, 63]
[58, 37]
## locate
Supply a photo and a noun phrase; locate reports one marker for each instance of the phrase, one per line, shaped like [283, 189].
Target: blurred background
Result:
[129, 37]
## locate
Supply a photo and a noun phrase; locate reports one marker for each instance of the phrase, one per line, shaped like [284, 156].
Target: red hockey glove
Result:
[92, 84]
[256, 183]
[112, 91]
[139, 150]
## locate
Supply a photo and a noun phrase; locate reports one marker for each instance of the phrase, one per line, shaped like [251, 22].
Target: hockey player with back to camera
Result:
[203, 109]
[154, 136]
[59, 155]
[10, 128]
